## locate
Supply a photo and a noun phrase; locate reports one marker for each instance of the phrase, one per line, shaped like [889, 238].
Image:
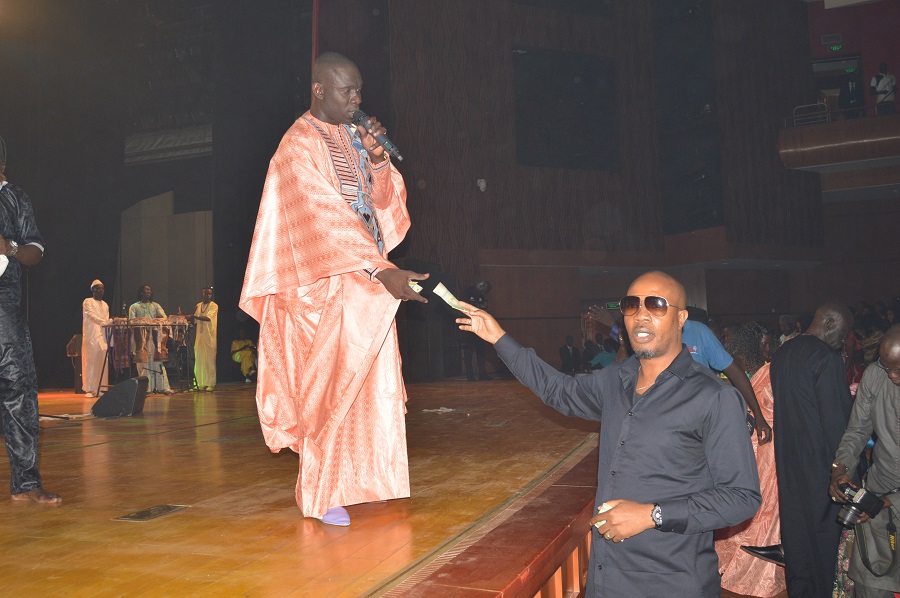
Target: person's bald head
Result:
[889, 353]
[674, 290]
[336, 89]
[656, 335]
[325, 65]
[831, 323]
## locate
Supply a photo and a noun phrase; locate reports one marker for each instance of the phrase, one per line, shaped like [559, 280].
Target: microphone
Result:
[361, 119]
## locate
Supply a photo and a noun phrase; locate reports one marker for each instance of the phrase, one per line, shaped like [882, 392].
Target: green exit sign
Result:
[851, 69]
[835, 47]
[612, 305]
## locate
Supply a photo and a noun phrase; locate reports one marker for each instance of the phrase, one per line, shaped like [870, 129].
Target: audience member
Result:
[705, 348]
[787, 323]
[876, 410]
[812, 407]
[870, 339]
[674, 459]
[607, 356]
[590, 351]
[851, 353]
[727, 335]
[884, 87]
[852, 99]
[569, 357]
[752, 346]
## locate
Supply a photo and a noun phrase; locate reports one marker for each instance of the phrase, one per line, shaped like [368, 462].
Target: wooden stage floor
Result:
[476, 450]
[473, 448]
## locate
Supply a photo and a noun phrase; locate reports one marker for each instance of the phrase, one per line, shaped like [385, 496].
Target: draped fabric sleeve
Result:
[305, 230]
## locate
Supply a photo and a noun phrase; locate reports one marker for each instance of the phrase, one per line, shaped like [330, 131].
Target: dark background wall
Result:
[456, 95]
[442, 76]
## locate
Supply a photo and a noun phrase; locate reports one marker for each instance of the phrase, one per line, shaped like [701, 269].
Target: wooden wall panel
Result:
[453, 95]
[742, 295]
[538, 305]
[763, 72]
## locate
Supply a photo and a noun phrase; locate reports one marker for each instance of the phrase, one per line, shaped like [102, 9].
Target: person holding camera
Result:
[873, 511]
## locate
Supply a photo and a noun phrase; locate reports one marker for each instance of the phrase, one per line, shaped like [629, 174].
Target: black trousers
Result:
[810, 533]
[18, 400]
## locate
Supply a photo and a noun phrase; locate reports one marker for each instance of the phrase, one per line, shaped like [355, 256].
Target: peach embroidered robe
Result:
[329, 383]
[742, 572]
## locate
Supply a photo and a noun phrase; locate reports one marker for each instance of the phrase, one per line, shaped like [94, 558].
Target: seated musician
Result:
[243, 351]
[147, 360]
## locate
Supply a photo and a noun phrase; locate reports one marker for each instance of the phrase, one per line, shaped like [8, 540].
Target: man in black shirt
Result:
[812, 408]
[675, 459]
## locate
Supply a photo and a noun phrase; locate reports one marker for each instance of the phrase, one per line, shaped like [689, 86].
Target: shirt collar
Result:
[680, 366]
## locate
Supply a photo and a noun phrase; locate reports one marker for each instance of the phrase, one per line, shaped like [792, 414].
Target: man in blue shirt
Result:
[705, 348]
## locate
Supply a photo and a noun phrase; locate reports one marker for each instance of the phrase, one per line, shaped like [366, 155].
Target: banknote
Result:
[415, 286]
[603, 509]
[441, 291]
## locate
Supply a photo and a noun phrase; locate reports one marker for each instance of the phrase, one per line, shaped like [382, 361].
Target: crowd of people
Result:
[813, 380]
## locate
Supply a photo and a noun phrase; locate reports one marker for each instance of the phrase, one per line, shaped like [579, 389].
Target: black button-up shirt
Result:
[682, 444]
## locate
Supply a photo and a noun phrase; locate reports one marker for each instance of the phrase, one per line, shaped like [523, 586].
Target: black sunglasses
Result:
[657, 306]
[886, 368]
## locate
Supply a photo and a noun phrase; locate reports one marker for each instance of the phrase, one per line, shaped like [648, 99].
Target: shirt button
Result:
[630, 413]
[621, 443]
[612, 473]
[599, 566]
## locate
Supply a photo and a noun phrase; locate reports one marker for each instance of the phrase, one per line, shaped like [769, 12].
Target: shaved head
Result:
[326, 64]
[889, 353]
[890, 343]
[676, 293]
[831, 323]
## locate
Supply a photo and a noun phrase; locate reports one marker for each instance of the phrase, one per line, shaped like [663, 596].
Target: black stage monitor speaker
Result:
[125, 398]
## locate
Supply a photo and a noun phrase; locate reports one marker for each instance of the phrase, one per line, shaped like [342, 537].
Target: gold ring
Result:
[608, 536]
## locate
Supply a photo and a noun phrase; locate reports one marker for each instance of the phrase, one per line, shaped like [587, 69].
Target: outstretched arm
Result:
[737, 378]
[570, 395]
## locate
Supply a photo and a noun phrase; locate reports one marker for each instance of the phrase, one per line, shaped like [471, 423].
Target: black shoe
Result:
[771, 554]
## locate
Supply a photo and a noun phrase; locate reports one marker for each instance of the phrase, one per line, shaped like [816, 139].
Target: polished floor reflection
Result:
[474, 448]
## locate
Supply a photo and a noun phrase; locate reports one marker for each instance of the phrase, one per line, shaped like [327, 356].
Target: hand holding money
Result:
[481, 323]
[398, 283]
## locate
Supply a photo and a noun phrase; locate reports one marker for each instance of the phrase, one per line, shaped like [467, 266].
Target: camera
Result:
[861, 501]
